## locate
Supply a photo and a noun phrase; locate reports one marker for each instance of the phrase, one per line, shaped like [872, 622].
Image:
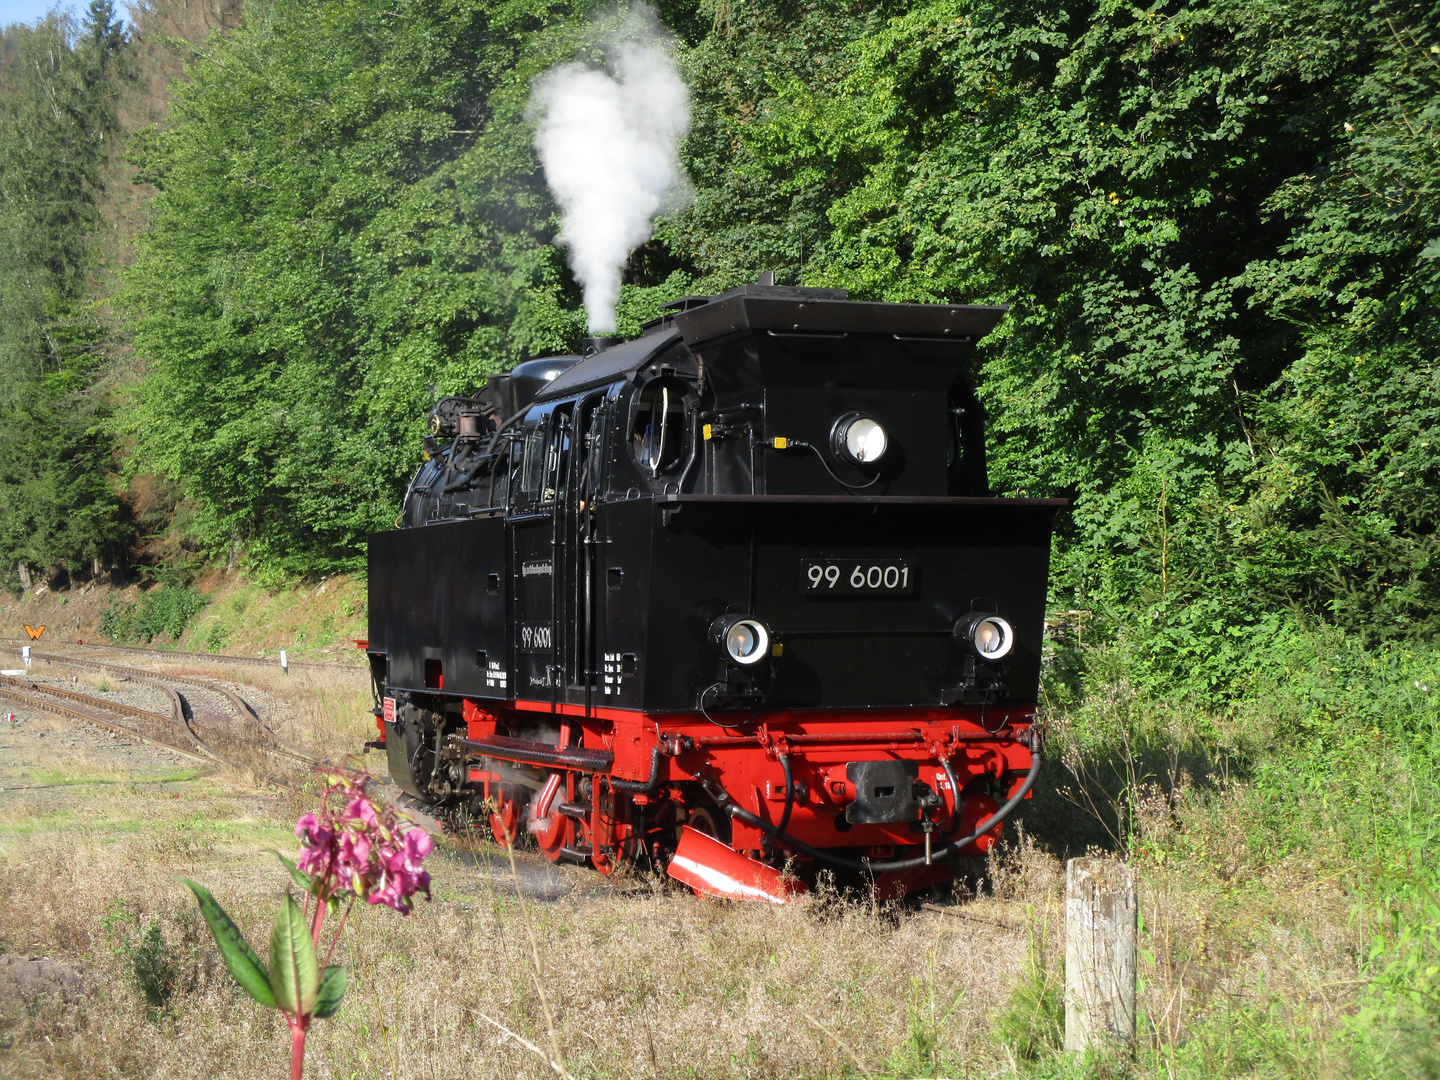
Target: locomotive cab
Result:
[744, 571]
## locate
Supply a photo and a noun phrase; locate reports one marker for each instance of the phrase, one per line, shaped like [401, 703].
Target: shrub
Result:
[166, 610]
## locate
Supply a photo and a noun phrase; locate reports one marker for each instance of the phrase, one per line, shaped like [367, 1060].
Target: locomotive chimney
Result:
[591, 345]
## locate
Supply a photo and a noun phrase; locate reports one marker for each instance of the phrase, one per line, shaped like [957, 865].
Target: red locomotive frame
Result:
[613, 785]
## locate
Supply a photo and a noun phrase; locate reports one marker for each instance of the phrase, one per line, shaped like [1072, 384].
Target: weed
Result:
[152, 964]
[216, 638]
[1032, 1023]
[154, 967]
[928, 1012]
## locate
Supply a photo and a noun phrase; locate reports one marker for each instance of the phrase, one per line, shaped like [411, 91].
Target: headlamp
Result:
[745, 641]
[858, 439]
[988, 636]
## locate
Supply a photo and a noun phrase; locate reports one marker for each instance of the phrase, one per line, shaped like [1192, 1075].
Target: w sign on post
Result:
[1100, 923]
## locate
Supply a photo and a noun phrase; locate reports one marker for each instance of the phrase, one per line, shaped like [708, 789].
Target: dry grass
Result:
[643, 980]
[657, 983]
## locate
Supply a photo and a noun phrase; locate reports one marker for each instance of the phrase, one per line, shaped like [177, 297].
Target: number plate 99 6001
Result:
[856, 577]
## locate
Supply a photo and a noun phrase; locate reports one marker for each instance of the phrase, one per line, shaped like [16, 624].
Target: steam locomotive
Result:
[732, 597]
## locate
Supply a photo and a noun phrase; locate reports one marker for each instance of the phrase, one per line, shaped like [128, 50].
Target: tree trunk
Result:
[24, 574]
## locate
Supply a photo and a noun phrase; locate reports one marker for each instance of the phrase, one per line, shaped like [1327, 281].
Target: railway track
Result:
[237, 705]
[149, 727]
[178, 731]
[213, 658]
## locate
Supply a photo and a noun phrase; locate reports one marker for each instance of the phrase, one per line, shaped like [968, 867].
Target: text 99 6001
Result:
[856, 577]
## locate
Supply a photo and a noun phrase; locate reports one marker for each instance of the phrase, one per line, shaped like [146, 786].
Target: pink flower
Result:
[417, 845]
[366, 849]
[315, 840]
[389, 893]
[360, 809]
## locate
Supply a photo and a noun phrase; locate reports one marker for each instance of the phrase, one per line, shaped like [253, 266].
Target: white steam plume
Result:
[609, 142]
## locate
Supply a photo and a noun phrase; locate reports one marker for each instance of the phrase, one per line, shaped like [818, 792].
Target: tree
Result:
[57, 91]
[350, 220]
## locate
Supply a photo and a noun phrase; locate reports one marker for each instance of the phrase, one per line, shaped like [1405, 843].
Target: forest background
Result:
[242, 250]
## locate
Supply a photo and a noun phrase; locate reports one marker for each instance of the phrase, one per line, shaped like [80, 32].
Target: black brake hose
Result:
[777, 834]
[789, 795]
[494, 442]
[650, 783]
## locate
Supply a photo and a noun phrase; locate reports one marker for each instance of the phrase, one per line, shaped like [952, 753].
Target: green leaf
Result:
[332, 990]
[299, 876]
[294, 973]
[240, 959]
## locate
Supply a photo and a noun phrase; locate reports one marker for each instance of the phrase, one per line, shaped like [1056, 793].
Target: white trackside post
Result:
[1100, 924]
[284, 663]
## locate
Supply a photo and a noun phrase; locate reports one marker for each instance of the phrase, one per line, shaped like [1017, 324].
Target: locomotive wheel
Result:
[505, 817]
[708, 819]
[550, 832]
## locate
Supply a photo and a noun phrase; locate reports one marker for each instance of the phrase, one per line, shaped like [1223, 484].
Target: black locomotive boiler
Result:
[732, 595]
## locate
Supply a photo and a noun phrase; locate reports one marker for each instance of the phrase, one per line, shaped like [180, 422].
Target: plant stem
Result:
[338, 931]
[297, 1047]
[318, 919]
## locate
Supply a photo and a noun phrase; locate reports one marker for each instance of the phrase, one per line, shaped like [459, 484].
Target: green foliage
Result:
[350, 221]
[57, 88]
[216, 638]
[240, 959]
[294, 971]
[331, 993]
[153, 964]
[154, 968]
[167, 609]
[1325, 754]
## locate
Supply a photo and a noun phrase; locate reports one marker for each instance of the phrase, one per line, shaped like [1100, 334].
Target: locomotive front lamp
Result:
[745, 641]
[858, 439]
[989, 636]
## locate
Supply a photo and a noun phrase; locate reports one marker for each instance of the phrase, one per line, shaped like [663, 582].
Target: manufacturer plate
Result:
[856, 577]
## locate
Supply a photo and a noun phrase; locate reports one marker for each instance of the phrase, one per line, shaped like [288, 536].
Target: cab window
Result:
[658, 437]
[532, 463]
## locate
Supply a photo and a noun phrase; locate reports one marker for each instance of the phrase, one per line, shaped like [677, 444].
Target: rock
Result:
[33, 979]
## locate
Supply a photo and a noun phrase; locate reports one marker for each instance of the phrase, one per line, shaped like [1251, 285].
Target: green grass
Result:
[1285, 837]
[316, 619]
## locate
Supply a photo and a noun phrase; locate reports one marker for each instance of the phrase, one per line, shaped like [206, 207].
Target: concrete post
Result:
[1100, 925]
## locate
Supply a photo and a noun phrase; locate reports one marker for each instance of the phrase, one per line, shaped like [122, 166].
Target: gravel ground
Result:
[116, 688]
[43, 757]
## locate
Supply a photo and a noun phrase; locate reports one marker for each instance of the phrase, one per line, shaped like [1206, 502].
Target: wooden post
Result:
[1100, 921]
